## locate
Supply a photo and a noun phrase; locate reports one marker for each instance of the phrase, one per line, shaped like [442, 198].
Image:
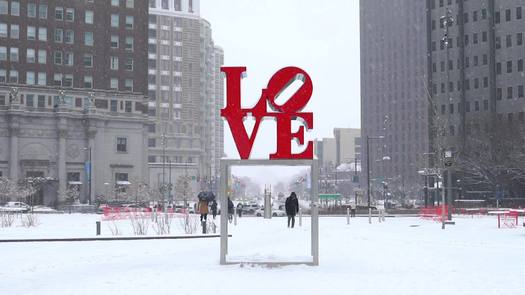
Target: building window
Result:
[42, 11]
[164, 4]
[122, 144]
[57, 79]
[88, 60]
[3, 76]
[68, 59]
[57, 58]
[509, 66]
[113, 83]
[152, 142]
[128, 85]
[113, 63]
[69, 37]
[88, 38]
[15, 7]
[31, 10]
[177, 4]
[130, 3]
[42, 34]
[507, 15]
[128, 107]
[41, 101]
[15, 31]
[68, 80]
[152, 159]
[30, 78]
[486, 105]
[115, 3]
[42, 56]
[31, 33]
[3, 30]
[13, 76]
[42, 79]
[129, 22]
[476, 106]
[152, 4]
[520, 91]
[30, 56]
[520, 65]
[128, 66]
[114, 41]
[59, 13]
[89, 17]
[518, 12]
[3, 53]
[70, 14]
[499, 93]
[13, 54]
[59, 35]
[508, 40]
[114, 20]
[88, 82]
[509, 92]
[113, 106]
[3, 7]
[190, 6]
[129, 43]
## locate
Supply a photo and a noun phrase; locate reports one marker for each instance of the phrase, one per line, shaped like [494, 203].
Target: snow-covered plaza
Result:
[404, 255]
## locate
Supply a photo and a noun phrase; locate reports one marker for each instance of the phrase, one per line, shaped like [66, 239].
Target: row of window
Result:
[168, 159]
[59, 79]
[59, 58]
[476, 62]
[59, 36]
[475, 14]
[177, 5]
[61, 13]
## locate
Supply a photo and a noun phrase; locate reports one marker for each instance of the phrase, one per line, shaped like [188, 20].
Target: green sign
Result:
[329, 196]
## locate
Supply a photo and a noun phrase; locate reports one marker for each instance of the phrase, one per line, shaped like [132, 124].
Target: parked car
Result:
[250, 208]
[278, 213]
[16, 207]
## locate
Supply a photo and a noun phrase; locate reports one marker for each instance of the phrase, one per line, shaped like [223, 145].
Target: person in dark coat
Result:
[230, 210]
[214, 208]
[239, 210]
[291, 206]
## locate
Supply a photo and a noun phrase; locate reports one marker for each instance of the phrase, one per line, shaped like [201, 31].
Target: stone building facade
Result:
[65, 135]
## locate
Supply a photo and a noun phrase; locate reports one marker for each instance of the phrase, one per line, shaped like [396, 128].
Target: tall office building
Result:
[72, 95]
[449, 81]
[479, 91]
[393, 91]
[186, 94]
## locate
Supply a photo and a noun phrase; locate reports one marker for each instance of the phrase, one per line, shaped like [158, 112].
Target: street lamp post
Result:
[368, 138]
[88, 169]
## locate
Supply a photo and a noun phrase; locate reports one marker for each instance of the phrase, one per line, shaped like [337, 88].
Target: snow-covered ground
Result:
[400, 256]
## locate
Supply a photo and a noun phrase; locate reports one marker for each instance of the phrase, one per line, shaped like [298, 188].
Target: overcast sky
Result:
[321, 37]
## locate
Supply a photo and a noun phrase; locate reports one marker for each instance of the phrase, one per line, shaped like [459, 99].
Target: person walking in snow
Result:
[214, 208]
[203, 209]
[291, 206]
[230, 210]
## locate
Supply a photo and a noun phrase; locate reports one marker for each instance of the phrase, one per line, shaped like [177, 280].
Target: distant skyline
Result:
[266, 35]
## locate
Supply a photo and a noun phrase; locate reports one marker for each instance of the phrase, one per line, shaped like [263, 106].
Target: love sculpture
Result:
[283, 114]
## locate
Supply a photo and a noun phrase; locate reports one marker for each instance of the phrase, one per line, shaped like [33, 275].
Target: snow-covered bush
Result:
[7, 219]
[162, 225]
[114, 229]
[29, 220]
[140, 224]
[189, 223]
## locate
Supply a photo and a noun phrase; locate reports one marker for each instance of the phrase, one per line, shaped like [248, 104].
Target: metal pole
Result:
[170, 185]
[443, 205]
[163, 167]
[89, 179]
[426, 190]
[368, 178]
[449, 193]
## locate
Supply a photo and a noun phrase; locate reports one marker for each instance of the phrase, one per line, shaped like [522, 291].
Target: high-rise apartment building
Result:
[72, 95]
[186, 93]
[394, 99]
